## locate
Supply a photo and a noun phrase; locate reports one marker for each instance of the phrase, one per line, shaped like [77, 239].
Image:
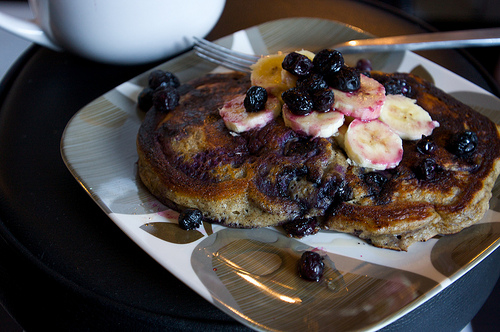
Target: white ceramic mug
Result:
[117, 31]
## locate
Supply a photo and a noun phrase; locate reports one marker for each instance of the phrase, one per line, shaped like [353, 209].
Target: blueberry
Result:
[301, 147]
[299, 228]
[297, 64]
[322, 100]
[311, 266]
[344, 192]
[375, 179]
[328, 62]
[190, 219]
[463, 144]
[160, 77]
[145, 99]
[427, 169]
[283, 179]
[364, 65]
[312, 83]
[375, 182]
[395, 86]
[299, 102]
[346, 79]
[165, 98]
[255, 99]
[426, 146]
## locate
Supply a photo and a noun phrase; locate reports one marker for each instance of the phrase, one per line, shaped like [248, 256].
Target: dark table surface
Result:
[65, 266]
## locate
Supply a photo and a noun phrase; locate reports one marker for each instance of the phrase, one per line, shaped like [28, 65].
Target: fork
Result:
[436, 40]
[224, 56]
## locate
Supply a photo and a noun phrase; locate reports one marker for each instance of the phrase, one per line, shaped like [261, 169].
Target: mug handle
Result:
[26, 29]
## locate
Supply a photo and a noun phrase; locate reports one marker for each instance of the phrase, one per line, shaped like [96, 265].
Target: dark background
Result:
[459, 15]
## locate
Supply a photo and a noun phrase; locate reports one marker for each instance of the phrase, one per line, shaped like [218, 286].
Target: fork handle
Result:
[425, 41]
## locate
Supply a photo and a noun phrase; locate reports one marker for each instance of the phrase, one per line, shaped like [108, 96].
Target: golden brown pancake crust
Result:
[266, 177]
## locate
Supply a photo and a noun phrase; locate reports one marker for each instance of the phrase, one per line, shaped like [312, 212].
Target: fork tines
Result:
[223, 56]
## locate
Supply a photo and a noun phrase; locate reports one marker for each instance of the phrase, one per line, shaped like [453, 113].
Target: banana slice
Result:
[364, 103]
[340, 135]
[314, 124]
[237, 119]
[268, 73]
[373, 144]
[406, 118]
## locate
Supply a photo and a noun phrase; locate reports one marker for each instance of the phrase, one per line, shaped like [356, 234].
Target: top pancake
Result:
[267, 177]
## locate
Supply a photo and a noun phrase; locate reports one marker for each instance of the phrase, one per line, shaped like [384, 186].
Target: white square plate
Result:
[251, 274]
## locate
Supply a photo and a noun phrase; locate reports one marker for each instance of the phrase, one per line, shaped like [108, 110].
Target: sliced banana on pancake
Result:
[340, 135]
[373, 144]
[268, 73]
[237, 119]
[365, 103]
[316, 124]
[406, 118]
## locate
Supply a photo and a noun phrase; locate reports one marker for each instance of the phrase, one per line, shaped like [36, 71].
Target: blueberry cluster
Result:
[462, 144]
[161, 92]
[315, 78]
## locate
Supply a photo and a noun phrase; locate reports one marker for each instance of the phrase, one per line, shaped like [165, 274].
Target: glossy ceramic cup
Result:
[117, 31]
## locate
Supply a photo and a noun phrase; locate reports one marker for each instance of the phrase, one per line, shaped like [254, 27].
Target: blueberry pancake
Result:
[309, 143]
